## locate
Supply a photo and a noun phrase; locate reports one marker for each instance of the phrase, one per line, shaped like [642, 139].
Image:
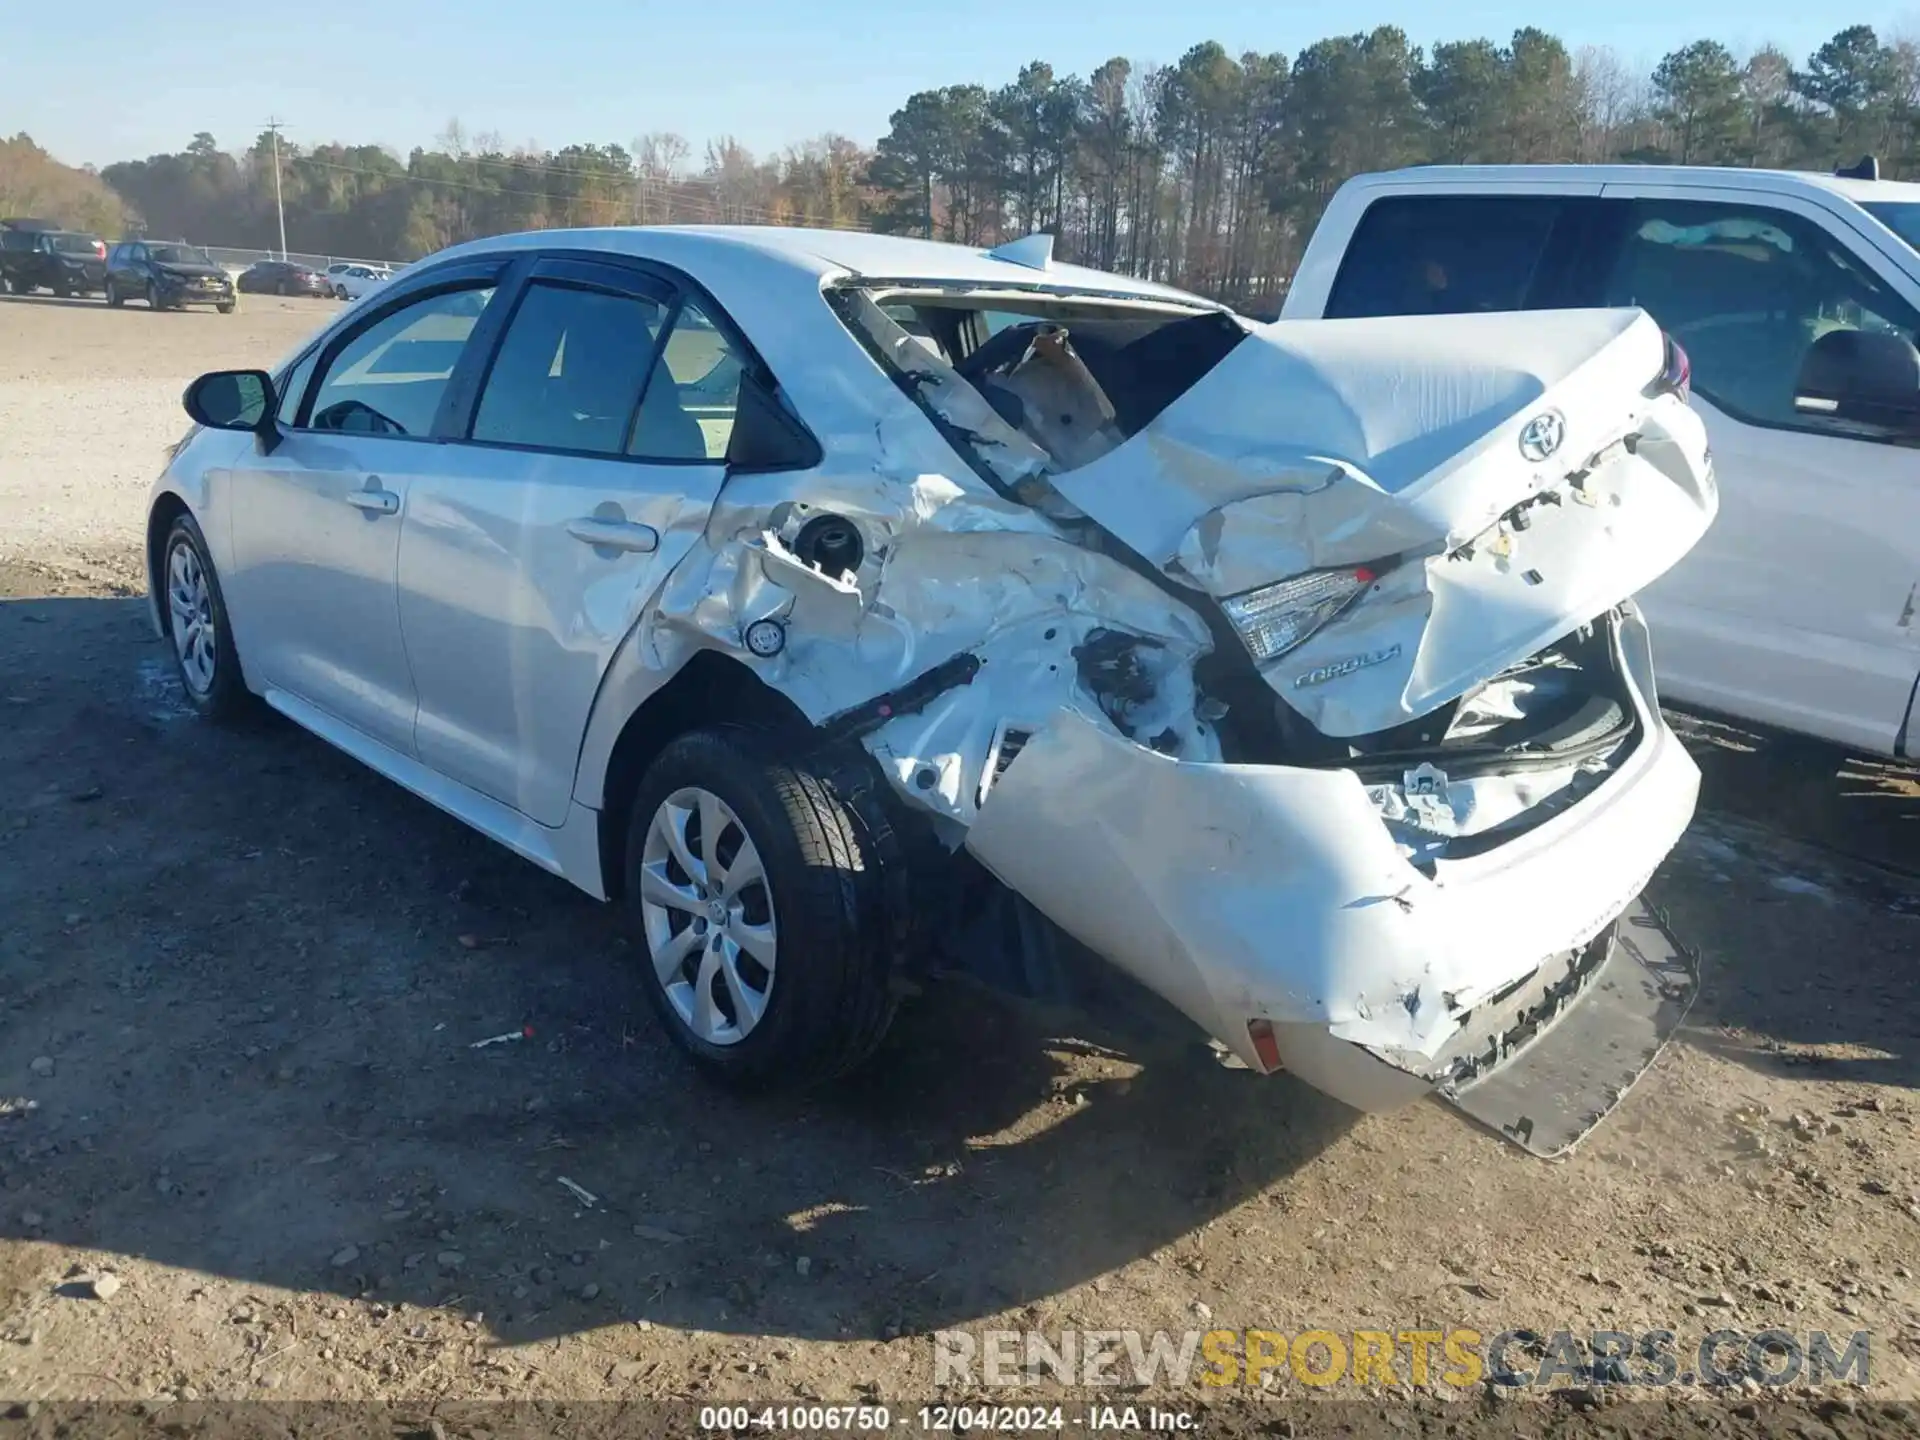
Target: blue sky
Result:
[138, 77]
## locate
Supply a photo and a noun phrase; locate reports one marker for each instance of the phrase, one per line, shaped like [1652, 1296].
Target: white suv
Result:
[1797, 300]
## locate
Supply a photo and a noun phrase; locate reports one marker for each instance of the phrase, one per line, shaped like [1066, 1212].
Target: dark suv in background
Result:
[168, 275]
[34, 256]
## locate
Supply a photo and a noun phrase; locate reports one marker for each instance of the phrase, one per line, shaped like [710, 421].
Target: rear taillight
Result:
[1676, 372]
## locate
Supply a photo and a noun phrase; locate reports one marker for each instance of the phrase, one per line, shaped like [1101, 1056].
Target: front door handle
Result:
[373, 499]
[615, 534]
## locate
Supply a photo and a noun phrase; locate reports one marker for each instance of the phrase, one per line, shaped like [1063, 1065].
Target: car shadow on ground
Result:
[1810, 855]
[42, 297]
[256, 975]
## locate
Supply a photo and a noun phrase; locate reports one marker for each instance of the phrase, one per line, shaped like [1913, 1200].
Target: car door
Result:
[315, 519]
[1797, 608]
[130, 269]
[582, 474]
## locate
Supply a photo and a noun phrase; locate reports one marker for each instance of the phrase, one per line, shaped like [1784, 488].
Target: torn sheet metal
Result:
[948, 569]
[1404, 445]
[1241, 892]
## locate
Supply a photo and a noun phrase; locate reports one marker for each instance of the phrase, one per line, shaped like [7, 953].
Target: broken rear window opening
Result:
[1029, 385]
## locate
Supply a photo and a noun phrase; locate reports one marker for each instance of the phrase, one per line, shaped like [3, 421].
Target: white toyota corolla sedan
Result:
[853, 607]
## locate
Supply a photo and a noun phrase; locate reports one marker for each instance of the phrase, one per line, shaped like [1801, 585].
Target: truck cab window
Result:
[1444, 255]
[1749, 291]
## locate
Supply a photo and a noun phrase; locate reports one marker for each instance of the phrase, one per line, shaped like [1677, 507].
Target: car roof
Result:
[1861, 192]
[820, 255]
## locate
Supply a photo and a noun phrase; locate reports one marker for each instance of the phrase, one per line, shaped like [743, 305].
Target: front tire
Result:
[153, 297]
[758, 885]
[198, 628]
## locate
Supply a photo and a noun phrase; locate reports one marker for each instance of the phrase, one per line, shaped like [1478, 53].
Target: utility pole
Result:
[273, 129]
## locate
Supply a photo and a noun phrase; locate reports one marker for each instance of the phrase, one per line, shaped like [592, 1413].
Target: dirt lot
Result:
[240, 976]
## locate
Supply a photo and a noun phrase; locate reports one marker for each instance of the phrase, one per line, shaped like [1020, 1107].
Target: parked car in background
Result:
[282, 277]
[168, 275]
[750, 574]
[1797, 300]
[67, 262]
[350, 282]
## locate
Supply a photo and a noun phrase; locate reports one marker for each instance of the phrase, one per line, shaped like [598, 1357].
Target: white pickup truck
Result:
[1797, 300]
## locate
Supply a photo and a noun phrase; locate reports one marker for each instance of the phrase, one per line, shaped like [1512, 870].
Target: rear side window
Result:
[569, 370]
[1444, 255]
[691, 401]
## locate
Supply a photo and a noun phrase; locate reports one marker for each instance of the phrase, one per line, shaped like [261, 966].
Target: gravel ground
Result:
[240, 978]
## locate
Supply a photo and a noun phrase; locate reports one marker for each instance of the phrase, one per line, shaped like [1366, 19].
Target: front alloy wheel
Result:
[197, 626]
[190, 609]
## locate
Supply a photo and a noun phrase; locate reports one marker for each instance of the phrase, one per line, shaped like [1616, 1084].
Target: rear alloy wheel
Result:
[758, 889]
[114, 297]
[197, 626]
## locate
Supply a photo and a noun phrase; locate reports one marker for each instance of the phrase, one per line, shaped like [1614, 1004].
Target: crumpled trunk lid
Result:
[1507, 476]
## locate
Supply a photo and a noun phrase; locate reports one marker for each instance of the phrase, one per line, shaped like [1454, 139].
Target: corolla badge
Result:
[1339, 669]
[1542, 435]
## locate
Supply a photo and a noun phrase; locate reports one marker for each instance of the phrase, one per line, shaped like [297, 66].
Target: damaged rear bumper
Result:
[1248, 893]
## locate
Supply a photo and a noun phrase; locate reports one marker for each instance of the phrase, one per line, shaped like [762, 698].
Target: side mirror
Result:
[1866, 376]
[233, 400]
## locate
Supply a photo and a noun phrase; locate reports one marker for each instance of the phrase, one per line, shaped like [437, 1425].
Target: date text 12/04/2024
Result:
[943, 1419]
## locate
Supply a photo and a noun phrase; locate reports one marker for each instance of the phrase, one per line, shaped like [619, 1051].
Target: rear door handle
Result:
[373, 499]
[615, 534]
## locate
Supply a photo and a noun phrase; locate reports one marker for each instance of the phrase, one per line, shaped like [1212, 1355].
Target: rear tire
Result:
[781, 978]
[114, 297]
[198, 631]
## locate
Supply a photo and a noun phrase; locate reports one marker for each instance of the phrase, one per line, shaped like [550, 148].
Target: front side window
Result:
[569, 370]
[1443, 255]
[388, 379]
[1773, 312]
[688, 411]
[292, 384]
